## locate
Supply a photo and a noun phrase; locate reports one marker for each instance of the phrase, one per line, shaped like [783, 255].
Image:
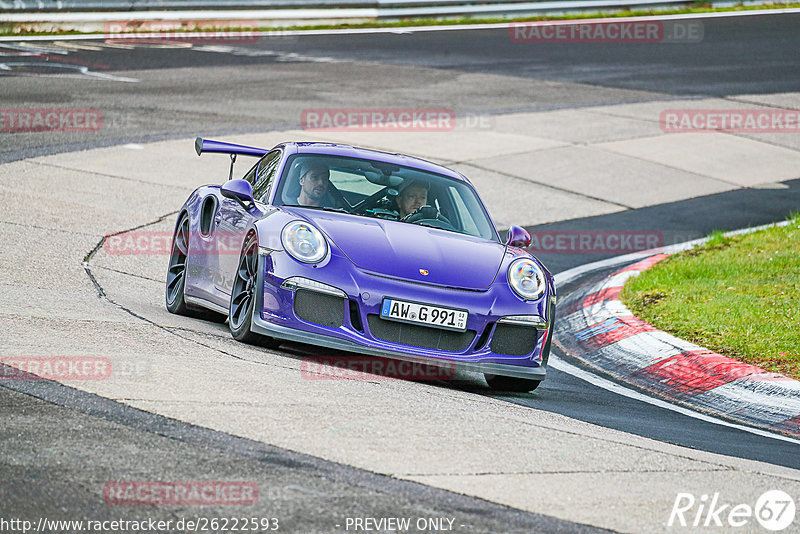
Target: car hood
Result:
[411, 251]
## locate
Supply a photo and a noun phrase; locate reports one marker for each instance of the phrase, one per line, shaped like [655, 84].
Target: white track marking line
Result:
[70, 71]
[608, 385]
[619, 389]
[222, 15]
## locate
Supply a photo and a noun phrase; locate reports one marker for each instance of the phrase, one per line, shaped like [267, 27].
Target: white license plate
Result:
[415, 312]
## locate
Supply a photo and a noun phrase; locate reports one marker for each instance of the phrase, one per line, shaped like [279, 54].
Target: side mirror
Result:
[240, 191]
[518, 237]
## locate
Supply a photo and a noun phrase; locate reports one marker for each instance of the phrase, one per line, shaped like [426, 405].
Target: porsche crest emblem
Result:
[423, 272]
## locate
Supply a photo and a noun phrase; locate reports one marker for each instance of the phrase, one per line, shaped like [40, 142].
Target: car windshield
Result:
[369, 188]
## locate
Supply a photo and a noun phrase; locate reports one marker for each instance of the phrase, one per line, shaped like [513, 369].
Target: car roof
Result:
[336, 149]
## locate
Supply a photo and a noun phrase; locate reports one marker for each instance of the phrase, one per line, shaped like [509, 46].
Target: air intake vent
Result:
[419, 336]
[318, 308]
[355, 316]
[484, 336]
[514, 340]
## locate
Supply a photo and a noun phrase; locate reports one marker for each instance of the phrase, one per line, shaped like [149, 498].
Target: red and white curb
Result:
[600, 331]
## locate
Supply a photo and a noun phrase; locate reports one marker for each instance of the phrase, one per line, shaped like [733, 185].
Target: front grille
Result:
[514, 340]
[318, 308]
[419, 336]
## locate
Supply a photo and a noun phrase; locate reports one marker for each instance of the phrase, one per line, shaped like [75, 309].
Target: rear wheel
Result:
[511, 383]
[176, 273]
[243, 293]
[176, 277]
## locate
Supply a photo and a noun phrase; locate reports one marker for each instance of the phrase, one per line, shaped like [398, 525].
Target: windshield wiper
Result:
[419, 223]
[322, 208]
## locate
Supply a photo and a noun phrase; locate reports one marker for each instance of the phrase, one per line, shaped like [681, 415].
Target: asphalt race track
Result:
[263, 85]
[341, 455]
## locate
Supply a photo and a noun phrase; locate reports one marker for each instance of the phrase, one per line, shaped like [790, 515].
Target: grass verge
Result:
[698, 7]
[738, 296]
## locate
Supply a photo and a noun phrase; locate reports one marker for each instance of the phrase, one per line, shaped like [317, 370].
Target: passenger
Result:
[314, 184]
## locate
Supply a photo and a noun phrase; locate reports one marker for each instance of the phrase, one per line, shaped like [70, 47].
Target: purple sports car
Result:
[369, 252]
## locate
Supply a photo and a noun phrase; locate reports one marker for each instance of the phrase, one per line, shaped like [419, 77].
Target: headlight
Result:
[304, 242]
[526, 278]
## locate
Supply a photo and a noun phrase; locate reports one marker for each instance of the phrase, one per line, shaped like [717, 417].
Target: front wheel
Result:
[243, 297]
[511, 383]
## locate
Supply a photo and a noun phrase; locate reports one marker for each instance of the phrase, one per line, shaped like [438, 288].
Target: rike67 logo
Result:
[774, 510]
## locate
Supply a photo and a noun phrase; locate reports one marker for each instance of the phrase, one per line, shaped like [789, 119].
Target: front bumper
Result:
[261, 326]
[277, 318]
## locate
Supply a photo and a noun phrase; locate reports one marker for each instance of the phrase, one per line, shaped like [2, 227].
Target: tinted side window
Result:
[265, 175]
[251, 174]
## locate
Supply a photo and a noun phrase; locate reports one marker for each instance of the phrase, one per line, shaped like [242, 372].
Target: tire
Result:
[511, 383]
[176, 277]
[176, 272]
[240, 311]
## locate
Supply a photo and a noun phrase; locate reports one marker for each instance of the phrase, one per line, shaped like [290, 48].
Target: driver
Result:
[412, 197]
[314, 184]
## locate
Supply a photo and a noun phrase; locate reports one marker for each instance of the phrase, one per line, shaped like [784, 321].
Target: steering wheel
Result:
[373, 200]
[429, 216]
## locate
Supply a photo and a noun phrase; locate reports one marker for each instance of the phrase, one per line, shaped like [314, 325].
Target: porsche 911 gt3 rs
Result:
[364, 251]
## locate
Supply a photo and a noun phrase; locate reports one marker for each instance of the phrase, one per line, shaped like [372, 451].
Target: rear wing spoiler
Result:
[218, 147]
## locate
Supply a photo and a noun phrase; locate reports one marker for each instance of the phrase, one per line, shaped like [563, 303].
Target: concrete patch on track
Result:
[190, 370]
[722, 157]
[603, 175]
